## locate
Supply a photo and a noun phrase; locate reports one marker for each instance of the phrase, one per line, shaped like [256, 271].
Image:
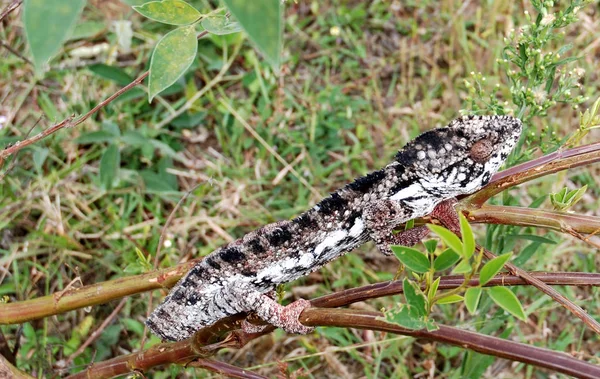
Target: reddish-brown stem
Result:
[185, 351]
[560, 221]
[11, 7]
[536, 168]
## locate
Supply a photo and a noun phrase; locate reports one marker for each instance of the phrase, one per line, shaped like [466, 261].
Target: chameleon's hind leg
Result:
[381, 230]
[284, 317]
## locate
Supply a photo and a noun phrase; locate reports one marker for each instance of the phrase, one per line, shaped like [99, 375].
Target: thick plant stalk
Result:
[186, 351]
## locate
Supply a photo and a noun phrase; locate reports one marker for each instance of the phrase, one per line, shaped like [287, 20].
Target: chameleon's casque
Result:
[438, 165]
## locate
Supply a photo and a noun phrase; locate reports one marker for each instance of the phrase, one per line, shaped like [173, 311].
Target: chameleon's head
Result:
[462, 157]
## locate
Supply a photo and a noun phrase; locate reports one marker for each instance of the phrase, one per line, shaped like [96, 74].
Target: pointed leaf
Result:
[450, 299]
[47, 24]
[172, 56]
[463, 267]
[450, 239]
[263, 22]
[507, 300]
[221, 25]
[430, 245]
[446, 260]
[433, 289]
[492, 268]
[468, 239]
[472, 296]
[411, 258]
[172, 12]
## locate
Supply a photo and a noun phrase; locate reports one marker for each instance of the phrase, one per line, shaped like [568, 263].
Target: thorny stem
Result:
[185, 351]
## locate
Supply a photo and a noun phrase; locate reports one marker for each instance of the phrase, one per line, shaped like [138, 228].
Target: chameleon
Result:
[438, 165]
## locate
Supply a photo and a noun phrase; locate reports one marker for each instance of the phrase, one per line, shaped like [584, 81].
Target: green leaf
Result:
[95, 137]
[415, 297]
[221, 25]
[263, 22]
[405, 317]
[109, 166]
[173, 55]
[116, 74]
[433, 289]
[446, 260]
[411, 258]
[172, 12]
[430, 245]
[492, 267]
[468, 240]
[472, 296]
[47, 24]
[507, 300]
[463, 267]
[450, 299]
[450, 239]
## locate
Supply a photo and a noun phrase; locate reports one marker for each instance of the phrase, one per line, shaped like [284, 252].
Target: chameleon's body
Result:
[438, 165]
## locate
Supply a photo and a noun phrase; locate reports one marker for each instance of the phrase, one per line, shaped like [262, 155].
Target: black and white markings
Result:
[438, 165]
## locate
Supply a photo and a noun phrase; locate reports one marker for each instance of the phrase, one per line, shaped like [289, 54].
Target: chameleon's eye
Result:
[481, 150]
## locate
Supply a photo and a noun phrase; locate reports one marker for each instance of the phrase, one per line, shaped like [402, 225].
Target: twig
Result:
[14, 161]
[11, 7]
[95, 294]
[69, 123]
[184, 351]
[15, 52]
[100, 293]
[536, 168]
[96, 333]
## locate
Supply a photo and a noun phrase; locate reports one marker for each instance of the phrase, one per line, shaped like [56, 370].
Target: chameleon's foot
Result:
[289, 318]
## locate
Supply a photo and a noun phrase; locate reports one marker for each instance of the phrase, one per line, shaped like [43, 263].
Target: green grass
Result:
[346, 103]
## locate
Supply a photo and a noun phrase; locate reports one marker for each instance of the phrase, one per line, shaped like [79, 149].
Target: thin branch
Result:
[100, 293]
[15, 52]
[95, 294]
[185, 351]
[536, 168]
[11, 7]
[70, 122]
[560, 221]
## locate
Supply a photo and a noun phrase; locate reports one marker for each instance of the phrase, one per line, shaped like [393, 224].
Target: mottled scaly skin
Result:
[438, 165]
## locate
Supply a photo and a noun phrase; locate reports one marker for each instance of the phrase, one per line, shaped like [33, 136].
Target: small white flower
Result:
[335, 31]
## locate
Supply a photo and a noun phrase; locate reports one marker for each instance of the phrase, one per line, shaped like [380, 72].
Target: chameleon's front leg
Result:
[269, 310]
[381, 230]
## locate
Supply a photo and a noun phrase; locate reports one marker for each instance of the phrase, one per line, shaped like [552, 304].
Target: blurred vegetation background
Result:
[358, 80]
